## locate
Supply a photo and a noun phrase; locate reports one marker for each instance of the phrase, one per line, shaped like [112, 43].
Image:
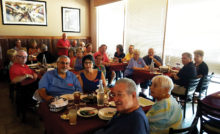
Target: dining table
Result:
[213, 100]
[117, 66]
[85, 125]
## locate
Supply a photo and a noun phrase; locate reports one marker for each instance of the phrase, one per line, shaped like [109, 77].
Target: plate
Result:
[107, 113]
[87, 112]
[144, 102]
[112, 103]
[68, 96]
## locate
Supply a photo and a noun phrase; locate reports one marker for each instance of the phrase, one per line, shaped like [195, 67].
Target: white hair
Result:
[164, 82]
[131, 86]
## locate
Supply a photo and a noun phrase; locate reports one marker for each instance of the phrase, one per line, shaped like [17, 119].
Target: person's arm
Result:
[157, 62]
[80, 81]
[103, 79]
[43, 94]
[73, 64]
[21, 78]
[60, 46]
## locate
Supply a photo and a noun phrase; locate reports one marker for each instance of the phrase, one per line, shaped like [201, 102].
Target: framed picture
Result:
[20, 12]
[70, 19]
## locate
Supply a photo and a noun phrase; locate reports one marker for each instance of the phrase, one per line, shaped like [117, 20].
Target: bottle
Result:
[100, 94]
[152, 66]
[44, 62]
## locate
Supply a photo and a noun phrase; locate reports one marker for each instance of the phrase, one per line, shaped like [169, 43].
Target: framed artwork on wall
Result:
[20, 12]
[70, 19]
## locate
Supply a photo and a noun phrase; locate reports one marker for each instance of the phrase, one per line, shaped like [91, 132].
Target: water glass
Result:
[72, 116]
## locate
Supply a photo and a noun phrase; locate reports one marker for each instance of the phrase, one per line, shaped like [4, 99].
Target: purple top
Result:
[133, 63]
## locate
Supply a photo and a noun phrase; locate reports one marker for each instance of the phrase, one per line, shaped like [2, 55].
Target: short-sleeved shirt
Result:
[88, 85]
[104, 56]
[78, 64]
[135, 122]
[163, 115]
[148, 60]
[63, 51]
[56, 86]
[101, 68]
[128, 56]
[133, 63]
[185, 74]
[202, 69]
[120, 56]
[19, 70]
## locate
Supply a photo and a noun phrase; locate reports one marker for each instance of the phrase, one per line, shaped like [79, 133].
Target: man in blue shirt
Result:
[59, 81]
[130, 118]
[156, 59]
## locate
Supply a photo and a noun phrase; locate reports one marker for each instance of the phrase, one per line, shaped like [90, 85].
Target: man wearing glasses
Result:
[19, 71]
[130, 118]
[59, 81]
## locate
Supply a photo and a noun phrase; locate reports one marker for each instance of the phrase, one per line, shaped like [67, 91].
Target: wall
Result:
[54, 22]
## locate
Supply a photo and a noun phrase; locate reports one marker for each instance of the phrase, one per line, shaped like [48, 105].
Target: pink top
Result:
[63, 43]
[105, 57]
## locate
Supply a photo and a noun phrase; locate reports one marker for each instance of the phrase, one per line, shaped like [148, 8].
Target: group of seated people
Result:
[164, 114]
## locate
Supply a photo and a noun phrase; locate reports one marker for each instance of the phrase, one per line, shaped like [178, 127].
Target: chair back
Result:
[192, 85]
[189, 130]
[204, 82]
[209, 117]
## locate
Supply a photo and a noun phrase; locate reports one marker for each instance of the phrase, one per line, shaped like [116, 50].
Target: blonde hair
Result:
[199, 52]
[11, 53]
[163, 82]
[137, 51]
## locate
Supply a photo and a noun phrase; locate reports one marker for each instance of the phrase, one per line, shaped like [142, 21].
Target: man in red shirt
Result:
[63, 45]
[102, 52]
[19, 71]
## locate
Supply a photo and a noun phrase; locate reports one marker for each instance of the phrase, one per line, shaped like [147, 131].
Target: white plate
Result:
[145, 102]
[107, 113]
[68, 96]
[89, 109]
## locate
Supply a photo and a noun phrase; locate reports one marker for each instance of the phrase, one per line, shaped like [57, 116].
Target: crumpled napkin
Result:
[59, 103]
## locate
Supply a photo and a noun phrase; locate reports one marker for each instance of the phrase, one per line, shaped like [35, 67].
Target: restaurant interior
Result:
[170, 27]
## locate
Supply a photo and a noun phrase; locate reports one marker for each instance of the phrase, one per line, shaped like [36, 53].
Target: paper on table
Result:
[145, 102]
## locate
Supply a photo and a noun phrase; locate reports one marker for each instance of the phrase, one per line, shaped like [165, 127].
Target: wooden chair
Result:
[209, 118]
[188, 96]
[189, 130]
[203, 85]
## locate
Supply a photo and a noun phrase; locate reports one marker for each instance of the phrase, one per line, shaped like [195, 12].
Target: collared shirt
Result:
[135, 122]
[19, 70]
[133, 63]
[64, 43]
[148, 60]
[56, 86]
[104, 56]
[163, 115]
[128, 56]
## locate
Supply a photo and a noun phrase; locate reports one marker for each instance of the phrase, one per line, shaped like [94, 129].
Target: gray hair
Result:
[164, 82]
[199, 52]
[20, 51]
[63, 57]
[189, 55]
[131, 86]
[44, 47]
[137, 51]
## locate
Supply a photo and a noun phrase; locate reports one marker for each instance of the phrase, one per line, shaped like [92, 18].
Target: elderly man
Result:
[18, 46]
[59, 81]
[185, 74]
[130, 53]
[130, 118]
[156, 59]
[44, 51]
[19, 71]
[63, 45]
[102, 52]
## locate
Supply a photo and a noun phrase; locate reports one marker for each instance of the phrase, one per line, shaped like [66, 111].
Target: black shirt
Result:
[185, 74]
[148, 60]
[202, 69]
[50, 58]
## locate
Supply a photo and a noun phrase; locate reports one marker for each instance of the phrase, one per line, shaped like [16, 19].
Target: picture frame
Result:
[20, 12]
[70, 19]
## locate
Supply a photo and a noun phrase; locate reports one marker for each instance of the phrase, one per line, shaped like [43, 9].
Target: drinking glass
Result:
[72, 116]
[76, 97]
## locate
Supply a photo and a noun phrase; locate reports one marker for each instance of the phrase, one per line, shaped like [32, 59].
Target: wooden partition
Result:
[8, 42]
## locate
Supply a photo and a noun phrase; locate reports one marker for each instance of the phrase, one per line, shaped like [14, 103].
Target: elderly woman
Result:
[77, 62]
[89, 77]
[201, 66]
[165, 113]
[136, 63]
[11, 53]
[119, 54]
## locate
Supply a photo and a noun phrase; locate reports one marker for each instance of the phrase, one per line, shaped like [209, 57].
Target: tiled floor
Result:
[11, 124]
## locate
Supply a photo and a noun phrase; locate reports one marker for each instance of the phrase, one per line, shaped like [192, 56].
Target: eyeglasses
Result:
[64, 63]
[87, 62]
[116, 95]
[20, 56]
